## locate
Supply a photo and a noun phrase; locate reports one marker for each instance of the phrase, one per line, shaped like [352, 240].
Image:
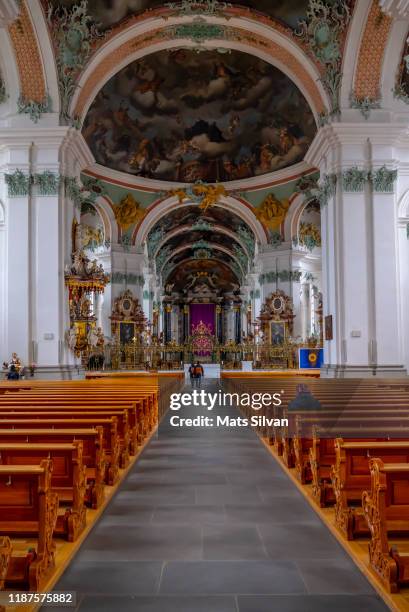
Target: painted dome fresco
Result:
[108, 13]
[186, 116]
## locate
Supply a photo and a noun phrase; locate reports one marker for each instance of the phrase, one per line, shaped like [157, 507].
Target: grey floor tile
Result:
[156, 494]
[123, 578]
[339, 576]
[158, 604]
[232, 542]
[182, 515]
[311, 603]
[227, 494]
[143, 543]
[231, 577]
[300, 541]
[281, 511]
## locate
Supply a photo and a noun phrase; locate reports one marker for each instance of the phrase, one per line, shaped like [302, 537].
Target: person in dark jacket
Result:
[304, 400]
[12, 373]
[198, 373]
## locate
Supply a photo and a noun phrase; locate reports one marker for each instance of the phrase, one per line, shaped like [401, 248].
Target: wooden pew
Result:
[143, 421]
[68, 479]
[121, 417]
[386, 509]
[93, 453]
[29, 507]
[5, 556]
[322, 457]
[302, 439]
[109, 426]
[350, 476]
[49, 403]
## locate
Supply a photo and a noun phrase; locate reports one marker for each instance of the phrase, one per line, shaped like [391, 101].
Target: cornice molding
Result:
[286, 175]
[336, 135]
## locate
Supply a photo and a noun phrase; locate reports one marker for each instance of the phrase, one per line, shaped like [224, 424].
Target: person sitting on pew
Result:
[304, 400]
[12, 373]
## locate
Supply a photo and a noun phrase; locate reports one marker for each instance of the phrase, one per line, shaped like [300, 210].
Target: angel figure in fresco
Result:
[140, 158]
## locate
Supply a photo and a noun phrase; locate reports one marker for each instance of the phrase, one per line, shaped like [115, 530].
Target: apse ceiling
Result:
[186, 116]
[191, 215]
[188, 240]
[108, 13]
[211, 273]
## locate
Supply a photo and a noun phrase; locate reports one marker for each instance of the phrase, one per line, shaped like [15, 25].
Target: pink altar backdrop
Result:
[202, 315]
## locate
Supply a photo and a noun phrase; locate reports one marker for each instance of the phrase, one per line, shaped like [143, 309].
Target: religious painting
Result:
[278, 332]
[328, 327]
[126, 332]
[108, 13]
[182, 116]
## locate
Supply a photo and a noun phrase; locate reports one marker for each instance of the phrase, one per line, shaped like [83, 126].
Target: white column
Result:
[403, 237]
[47, 286]
[304, 310]
[3, 270]
[360, 252]
[18, 330]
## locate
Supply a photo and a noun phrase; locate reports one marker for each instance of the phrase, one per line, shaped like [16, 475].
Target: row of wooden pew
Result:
[61, 444]
[354, 454]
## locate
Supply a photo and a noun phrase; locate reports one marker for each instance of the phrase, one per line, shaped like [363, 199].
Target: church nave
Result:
[207, 521]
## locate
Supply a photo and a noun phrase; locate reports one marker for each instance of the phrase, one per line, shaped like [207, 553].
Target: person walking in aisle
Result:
[192, 373]
[198, 373]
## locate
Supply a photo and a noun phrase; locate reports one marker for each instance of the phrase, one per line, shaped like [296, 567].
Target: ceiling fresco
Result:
[213, 273]
[192, 237]
[190, 215]
[108, 13]
[183, 116]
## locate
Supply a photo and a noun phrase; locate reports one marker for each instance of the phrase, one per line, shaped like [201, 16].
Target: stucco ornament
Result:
[18, 183]
[155, 237]
[272, 211]
[193, 7]
[128, 212]
[247, 237]
[354, 179]
[365, 105]
[199, 31]
[327, 188]
[383, 180]
[321, 31]
[200, 193]
[162, 257]
[74, 33]
[309, 236]
[47, 183]
[34, 108]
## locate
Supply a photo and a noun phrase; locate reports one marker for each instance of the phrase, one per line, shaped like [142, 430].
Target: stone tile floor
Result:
[208, 522]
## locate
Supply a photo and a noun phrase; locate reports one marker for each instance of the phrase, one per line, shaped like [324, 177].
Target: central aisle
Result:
[208, 522]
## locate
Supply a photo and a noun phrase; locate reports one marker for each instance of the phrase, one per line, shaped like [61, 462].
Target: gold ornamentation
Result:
[211, 195]
[128, 212]
[272, 211]
[309, 235]
[205, 195]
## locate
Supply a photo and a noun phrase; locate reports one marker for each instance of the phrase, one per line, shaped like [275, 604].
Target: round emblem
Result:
[312, 358]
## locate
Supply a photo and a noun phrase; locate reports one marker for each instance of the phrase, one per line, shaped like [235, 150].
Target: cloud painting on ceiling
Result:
[183, 116]
[108, 13]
